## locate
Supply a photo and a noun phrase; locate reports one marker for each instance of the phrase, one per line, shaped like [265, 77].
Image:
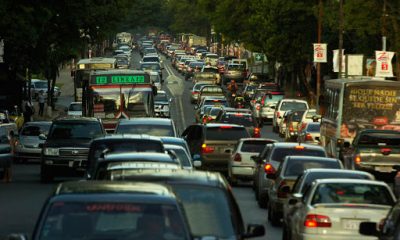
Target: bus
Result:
[82, 73]
[351, 105]
[119, 94]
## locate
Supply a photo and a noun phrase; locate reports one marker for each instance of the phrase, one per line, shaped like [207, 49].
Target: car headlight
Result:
[51, 151]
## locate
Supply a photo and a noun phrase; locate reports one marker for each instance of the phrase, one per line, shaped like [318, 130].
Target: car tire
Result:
[273, 217]
[45, 176]
[262, 200]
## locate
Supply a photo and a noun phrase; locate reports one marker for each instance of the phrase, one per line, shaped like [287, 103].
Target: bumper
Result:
[162, 113]
[267, 115]
[305, 236]
[215, 163]
[65, 167]
[242, 172]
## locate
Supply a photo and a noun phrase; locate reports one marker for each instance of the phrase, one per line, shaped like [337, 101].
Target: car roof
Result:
[173, 146]
[167, 140]
[257, 139]
[304, 158]
[38, 123]
[311, 171]
[148, 121]
[223, 124]
[118, 136]
[76, 119]
[349, 180]
[378, 131]
[135, 156]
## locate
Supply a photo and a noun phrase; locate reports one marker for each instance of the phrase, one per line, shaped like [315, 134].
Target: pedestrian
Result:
[41, 100]
[28, 109]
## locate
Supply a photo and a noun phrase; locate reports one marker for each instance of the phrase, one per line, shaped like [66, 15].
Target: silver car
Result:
[28, 144]
[334, 208]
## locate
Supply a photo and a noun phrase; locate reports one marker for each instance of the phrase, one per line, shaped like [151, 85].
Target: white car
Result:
[240, 165]
[162, 104]
[38, 85]
[334, 208]
[75, 109]
[310, 115]
[284, 105]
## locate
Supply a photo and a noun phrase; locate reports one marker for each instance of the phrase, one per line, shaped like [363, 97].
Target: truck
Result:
[194, 40]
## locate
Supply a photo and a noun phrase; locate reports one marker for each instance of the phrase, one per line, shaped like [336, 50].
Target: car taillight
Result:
[269, 169]
[357, 159]
[225, 127]
[237, 157]
[291, 129]
[204, 120]
[206, 149]
[278, 114]
[258, 107]
[309, 137]
[280, 193]
[303, 126]
[194, 93]
[316, 220]
[257, 132]
[262, 101]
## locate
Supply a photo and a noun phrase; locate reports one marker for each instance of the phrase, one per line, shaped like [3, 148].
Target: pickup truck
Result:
[375, 151]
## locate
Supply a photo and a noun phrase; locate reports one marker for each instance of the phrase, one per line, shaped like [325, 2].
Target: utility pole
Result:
[320, 10]
[341, 27]
[384, 15]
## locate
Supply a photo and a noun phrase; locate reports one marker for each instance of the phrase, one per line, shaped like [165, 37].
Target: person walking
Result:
[41, 100]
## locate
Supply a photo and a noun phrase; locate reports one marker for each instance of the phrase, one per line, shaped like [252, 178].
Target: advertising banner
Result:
[384, 66]
[320, 52]
[336, 60]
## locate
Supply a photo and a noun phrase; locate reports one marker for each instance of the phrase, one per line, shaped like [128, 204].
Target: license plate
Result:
[384, 169]
[351, 224]
[71, 163]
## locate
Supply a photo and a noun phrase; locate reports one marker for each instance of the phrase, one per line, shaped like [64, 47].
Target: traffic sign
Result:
[259, 57]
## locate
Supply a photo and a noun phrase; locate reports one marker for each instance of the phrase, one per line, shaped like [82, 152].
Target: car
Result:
[128, 161]
[122, 63]
[310, 134]
[38, 85]
[196, 90]
[268, 104]
[286, 175]
[210, 114]
[27, 145]
[234, 71]
[269, 160]
[212, 78]
[212, 69]
[74, 109]
[292, 125]
[244, 119]
[310, 115]
[334, 208]
[162, 104]
[241, 166]
[375, 151]
[248, 91]
[155, 78]
[149, 51]
[193, 67]
[6, 153]
[208, 102]
[66, 147]
[210, 91]
[183, 156]
[150, 58]
[115, 210]
[305, 180]
[186, 65]
[120, 143]
[284, 105]
[152, 66]
[160, 127]
[207, 200]
[211, 59]
[214, 143]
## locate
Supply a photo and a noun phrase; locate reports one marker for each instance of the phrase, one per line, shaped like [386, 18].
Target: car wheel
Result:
[273, 217]
[45, 176]
[262, 200]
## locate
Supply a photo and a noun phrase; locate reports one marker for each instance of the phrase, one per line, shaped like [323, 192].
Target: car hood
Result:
[61, 143]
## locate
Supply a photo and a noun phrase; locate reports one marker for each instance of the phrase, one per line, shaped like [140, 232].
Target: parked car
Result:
[214, 143]
[285, 177]
[207, 200]
[116, 210]
[241, 166]
[310, 134]
[269, 160]
[285, 105]
[66, 147]
[151, 126]
[27, 145]
[162, 107]
[334, 208]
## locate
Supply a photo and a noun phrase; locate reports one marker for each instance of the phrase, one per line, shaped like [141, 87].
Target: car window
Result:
[253, 146]
[226, 133]
[279, 153]
[354, 193]
[35, 130]
[75, 107]
[76, 130]
[240, 119]
[207, 211]
[153, 130]
[313, 128]
[295, 168]
[183, 157]
[293, 106]
[379, 139]
[161, 98]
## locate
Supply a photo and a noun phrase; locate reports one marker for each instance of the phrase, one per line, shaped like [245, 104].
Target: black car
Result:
[65, 151]
[120, 143]
[110, 210]
[207, 200]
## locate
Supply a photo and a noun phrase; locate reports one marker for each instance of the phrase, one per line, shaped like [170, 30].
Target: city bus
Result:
[83, 69]
[118, 94]
[351, 105]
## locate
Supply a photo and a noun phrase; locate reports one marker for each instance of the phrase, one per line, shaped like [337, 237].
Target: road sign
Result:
[259, 57]
[384, 66]
[320, 52]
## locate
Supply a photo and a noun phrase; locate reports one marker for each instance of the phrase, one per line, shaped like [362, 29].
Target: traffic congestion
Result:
[163, 139]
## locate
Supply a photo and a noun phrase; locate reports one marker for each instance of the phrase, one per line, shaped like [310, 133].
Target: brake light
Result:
[238, 114]
[237, 158]
[299, 147]
[316, 220]
[215, 100]
[278, 114]
[279, 192]
[269, 169]
[225, 127]
[386, 151]
[291, 129]
[206, 149]
[309, 137]
[263, 101]
[258, 107]
[357, 159]
[257, 132]
[303, 125]
[194, 92]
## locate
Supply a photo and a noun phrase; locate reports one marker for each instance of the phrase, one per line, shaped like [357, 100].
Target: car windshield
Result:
[35, 130]
[161, 97]
[352, 193]
[150, 129]
[295, 167]
[150, 67]
[293, 106]
[76, 130]
[226, 133]
[111, 220]
[280, 153]
[240, 119]
[207, 211]
[151, 59]
[215, 102]
[75, 107]
[313, 127]
[253, 146]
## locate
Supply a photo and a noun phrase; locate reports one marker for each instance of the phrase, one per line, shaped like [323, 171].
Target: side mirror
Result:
[17, 236]
[368, 229]
[42, 137]
[254, 230]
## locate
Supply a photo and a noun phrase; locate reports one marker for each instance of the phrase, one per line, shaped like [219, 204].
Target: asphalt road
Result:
[22, 199]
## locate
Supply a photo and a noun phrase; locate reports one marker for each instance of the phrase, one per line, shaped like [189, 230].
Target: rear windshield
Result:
[226, 133]
[296, 168]
[35, 130]
[240, 119]
[253, 146]
[313, 128]
[75, 130]
[235, 67]
[215, 103]
[380, 139]
[297, 116]
[151, 59]
[211, 90]
[75, 107]
[153, 130]
[149, 67]
[212, 70]
[183, 157]
[293, 106]
[280, 153]
[352, 193]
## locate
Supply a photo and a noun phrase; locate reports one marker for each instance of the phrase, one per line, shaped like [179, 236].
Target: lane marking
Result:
[182, 112]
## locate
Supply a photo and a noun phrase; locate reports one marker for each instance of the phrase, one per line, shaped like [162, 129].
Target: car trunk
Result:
[381, 158]
[221, 153]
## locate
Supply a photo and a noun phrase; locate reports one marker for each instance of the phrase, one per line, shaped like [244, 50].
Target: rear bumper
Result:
[305, 236]
[242, 172]
[64, 167]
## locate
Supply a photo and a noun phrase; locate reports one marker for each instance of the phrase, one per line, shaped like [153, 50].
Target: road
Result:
[21, 200]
